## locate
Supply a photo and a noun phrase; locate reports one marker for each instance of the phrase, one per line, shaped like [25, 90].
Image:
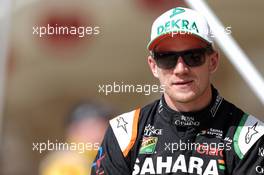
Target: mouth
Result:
[181, 83]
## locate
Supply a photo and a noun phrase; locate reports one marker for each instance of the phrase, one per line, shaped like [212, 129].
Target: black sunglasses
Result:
[192, 58]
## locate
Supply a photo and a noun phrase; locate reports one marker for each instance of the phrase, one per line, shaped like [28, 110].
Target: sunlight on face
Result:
[184, 84]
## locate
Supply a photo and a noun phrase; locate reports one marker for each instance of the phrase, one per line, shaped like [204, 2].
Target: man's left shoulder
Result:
[248, 132]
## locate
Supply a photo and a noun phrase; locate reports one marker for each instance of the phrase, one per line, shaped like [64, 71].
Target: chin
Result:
[183, 97]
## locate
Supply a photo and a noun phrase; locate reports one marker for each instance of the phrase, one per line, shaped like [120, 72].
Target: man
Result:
[191, 129]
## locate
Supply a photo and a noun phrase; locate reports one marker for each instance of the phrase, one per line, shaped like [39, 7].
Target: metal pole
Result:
[232, 50]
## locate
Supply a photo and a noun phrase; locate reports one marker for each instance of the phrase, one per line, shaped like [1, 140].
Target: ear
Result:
[153, 66]
[214, 61]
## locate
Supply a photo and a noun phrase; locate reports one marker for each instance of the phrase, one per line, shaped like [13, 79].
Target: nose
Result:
[180, 67]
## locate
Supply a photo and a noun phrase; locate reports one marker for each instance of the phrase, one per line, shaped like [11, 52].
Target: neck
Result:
[195, 105]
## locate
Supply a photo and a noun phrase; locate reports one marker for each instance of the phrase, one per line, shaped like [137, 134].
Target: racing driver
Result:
[191, 129]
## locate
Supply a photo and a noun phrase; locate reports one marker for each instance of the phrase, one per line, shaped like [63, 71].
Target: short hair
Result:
[89, 109]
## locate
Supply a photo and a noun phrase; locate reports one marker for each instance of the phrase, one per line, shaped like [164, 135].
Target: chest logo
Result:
[151, 130]
[148, 145]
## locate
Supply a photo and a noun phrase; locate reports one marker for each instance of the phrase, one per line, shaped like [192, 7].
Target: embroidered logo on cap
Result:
[177, 11]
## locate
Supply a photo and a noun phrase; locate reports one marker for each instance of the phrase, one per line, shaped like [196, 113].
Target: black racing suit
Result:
[220, 139]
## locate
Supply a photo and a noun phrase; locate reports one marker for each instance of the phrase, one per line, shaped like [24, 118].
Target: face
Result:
[84, 130]
[184, 84]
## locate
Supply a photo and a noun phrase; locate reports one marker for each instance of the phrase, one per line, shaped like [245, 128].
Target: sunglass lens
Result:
[166, 60]
[193, 59]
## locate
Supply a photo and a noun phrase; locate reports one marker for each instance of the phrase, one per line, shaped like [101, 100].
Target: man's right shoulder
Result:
[125, 128]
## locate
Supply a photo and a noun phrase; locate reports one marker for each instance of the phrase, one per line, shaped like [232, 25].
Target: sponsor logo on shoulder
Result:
[251, 132]
[121, 123]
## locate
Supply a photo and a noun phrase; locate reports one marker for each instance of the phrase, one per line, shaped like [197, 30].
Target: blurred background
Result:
[46, 77]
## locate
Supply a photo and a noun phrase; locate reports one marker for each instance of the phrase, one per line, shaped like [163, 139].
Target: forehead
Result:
[180, 42]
